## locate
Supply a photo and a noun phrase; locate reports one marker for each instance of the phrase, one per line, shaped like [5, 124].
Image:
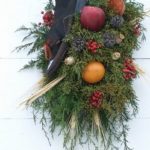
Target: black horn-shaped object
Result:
[64, 11]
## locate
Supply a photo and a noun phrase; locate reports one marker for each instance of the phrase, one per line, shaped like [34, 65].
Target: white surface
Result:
[17, 129]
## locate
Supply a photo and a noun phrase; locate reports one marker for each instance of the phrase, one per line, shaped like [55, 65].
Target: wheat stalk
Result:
[42, 91]
[146, 13]
[98, 123]
[145, 76]
[73, 121]
[73, 124]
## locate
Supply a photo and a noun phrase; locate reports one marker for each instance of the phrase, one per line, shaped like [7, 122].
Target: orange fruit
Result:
[93, 72]
[118, 6]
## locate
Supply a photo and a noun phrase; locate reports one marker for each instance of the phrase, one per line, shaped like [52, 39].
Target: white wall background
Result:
[17, 129]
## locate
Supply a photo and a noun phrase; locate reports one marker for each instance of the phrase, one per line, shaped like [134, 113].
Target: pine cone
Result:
[79, 44]
[117, 21]
[109, 40]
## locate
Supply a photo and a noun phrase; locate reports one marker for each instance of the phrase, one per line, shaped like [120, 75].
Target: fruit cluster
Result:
[92, 46]
[137, 30]
[129, 69]
[96, 99]
[48, 18]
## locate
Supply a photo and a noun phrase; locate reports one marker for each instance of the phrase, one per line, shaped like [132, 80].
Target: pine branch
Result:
[125, 130]
[23, 28]
[37, 45]
[27, 37]
[50, 5]
[30, 64]
[22, 47]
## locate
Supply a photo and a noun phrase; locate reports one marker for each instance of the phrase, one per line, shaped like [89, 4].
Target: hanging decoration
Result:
[85, 54]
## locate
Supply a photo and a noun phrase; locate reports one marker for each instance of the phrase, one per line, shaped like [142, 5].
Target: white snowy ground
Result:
[17, 129]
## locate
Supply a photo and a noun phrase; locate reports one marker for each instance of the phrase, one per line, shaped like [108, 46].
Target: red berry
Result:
[126, 70]
[94, 98]
[98, 97]
[39, 23]
[133, 75]
[94, 43]
[96, 92]
[132, 68]
[126, 77]
[94, 47]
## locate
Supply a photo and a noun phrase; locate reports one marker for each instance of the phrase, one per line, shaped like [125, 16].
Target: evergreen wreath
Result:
[87, 87]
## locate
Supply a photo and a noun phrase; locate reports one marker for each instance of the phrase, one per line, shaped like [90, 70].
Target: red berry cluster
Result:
[92, 46]
[129, 69]
[48, 18]
[137, 30]
[96, 99]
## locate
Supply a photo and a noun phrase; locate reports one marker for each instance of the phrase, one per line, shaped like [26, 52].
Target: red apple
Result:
[92, 18]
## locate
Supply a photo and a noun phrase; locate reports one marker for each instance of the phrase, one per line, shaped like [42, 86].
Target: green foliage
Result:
[72, 94]
[50, 5]
[36, 34]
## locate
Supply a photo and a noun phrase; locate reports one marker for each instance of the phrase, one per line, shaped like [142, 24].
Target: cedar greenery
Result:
[68, 101]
